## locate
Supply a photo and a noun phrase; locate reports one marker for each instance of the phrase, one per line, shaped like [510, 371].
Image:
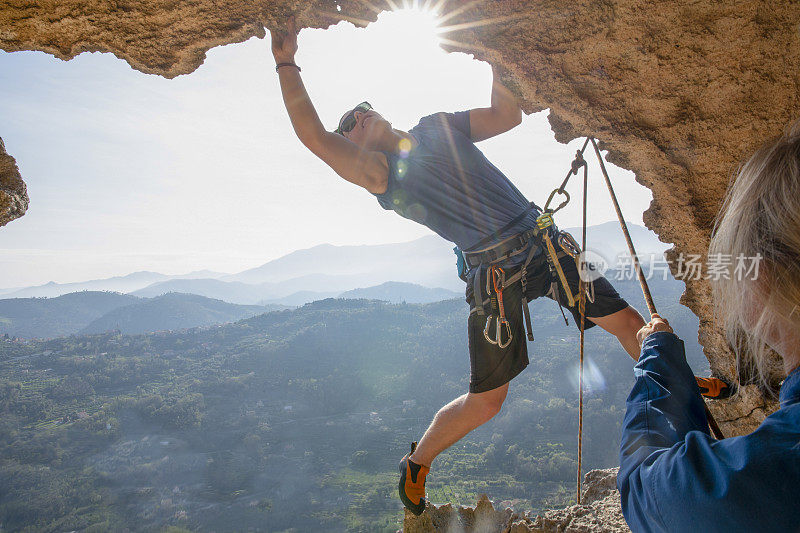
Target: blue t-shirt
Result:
[448, 185]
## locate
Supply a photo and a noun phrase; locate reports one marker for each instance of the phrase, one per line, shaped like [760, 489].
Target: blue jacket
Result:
[674, 476]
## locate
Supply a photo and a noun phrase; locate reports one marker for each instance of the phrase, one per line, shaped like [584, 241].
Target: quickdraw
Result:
[495, 281]
[545, 221]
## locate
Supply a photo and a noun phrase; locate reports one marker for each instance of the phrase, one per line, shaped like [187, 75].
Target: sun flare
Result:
[432, 17]
[422, 18]
[425, 17]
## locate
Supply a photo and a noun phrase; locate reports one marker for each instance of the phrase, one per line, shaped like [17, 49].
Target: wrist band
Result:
[279, 65]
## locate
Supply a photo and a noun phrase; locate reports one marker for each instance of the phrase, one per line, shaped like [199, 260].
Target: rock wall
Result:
[13, 194]
[677, 91]
[599, 511]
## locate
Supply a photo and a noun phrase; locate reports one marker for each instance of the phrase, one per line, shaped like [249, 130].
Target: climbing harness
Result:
[531, 240]
[576, 165]
[528, 241]
[496, 280]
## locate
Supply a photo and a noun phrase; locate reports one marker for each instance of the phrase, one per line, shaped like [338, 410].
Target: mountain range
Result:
[326, 270]
[98, 312]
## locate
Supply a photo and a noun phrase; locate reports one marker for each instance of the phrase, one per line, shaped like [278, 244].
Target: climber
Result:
[435, 175]
[673, 475]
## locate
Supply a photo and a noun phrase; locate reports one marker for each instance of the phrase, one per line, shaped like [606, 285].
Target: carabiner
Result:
[569, 244]
[550, 199]
[500, 322]
[486, 330]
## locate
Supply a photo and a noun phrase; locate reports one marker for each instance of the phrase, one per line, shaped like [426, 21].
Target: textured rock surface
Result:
[599, 511]
[13, 196]
[676, 91]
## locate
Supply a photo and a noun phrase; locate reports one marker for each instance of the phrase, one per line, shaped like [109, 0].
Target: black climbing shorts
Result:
[492, 366]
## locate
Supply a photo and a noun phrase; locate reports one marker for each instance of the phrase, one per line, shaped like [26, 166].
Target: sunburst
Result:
[432, 14]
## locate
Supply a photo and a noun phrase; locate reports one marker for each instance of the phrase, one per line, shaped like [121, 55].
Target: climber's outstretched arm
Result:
[503, 114]
[364, 168]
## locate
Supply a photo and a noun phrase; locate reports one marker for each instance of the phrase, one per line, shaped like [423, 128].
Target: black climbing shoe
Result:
[714, 388]
[412, 483]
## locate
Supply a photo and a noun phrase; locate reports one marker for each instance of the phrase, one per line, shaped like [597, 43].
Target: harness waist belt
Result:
[501, 251]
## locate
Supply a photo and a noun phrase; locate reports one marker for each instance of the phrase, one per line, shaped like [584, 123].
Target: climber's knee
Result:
[487, 404]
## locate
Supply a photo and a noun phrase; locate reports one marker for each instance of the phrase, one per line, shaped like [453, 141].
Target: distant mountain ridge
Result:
[123, 284]
[397, 292]
[96, 312]
[173, 311]
[53, 317]
[392, 260]
[326, 270]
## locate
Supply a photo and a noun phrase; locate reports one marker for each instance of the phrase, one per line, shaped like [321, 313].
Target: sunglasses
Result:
[348, 121]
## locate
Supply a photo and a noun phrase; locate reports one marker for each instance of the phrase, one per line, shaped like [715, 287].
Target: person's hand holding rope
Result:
[656, 324]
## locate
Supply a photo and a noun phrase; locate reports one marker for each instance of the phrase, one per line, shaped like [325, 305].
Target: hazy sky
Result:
[127, 171]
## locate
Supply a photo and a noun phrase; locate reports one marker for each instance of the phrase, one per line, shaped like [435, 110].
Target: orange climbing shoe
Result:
[714, 388]
[412, 483]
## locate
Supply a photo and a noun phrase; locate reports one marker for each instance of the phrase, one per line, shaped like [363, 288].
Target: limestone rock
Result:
[600, 511]
[13, 195]
[678, 92]
[742, 414]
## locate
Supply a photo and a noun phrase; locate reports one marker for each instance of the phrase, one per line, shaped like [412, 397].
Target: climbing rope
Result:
[582, 311]
[578, 163]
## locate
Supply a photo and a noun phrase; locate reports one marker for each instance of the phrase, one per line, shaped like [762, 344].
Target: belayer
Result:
[673, 475]
[435, 175]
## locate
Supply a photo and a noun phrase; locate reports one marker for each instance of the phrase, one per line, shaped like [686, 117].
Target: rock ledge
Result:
[600, 511]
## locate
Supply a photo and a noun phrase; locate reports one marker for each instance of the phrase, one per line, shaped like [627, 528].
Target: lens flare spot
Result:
[399, 200]
[402, 168]
[593, 380]
[405, 147]
[417, 212]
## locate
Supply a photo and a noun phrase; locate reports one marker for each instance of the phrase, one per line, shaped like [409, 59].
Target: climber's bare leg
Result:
[623, 324]
[455, 420]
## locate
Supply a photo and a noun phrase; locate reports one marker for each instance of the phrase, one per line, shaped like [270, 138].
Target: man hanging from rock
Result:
[435, 175]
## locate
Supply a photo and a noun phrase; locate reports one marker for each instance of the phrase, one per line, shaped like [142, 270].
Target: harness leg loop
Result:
[477, 293]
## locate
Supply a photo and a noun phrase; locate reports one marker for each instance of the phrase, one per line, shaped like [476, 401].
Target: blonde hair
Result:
[761, 216]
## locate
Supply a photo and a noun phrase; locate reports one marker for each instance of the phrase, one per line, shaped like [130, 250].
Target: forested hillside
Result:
[51, 317]
[292, 420]
[97, 312]
[173, 311]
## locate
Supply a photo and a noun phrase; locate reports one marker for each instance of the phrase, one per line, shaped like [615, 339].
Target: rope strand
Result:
[582, 311]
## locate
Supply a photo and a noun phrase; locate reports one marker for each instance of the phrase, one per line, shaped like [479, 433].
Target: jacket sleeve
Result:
[674, 476]
[663, 408]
